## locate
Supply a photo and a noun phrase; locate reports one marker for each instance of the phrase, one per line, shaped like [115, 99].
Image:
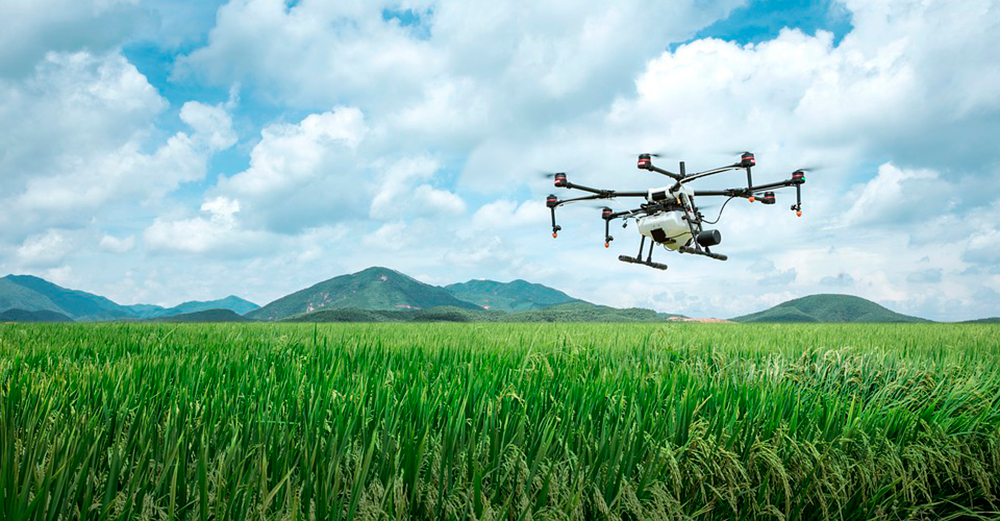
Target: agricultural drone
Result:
[669, 216]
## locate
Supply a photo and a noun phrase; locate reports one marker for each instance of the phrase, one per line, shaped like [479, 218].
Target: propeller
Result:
[731, 152]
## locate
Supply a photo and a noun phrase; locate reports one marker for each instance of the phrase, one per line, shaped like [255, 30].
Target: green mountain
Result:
[32, 294]
[145, 310]
[78, 305]
[371, 289]
[16, 296]
[828, 308]
[569, 312]
[208, 315]
[518, 295]
[990, 320]
[232, 303]
[20, 315]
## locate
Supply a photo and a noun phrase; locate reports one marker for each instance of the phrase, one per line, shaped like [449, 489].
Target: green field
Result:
[499, 421]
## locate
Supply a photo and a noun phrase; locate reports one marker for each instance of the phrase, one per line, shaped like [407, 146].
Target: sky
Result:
[173, 150]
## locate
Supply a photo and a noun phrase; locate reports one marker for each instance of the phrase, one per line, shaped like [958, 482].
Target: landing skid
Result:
[633, 260]
[638, 258]
[699, 251]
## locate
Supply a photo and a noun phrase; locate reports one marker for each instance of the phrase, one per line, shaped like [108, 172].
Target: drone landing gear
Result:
[705, 252]
[638, 258]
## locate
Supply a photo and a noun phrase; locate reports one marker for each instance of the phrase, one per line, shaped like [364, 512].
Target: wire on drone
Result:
[720, 212]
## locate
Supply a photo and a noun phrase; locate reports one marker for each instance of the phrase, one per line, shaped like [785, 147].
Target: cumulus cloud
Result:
[504, 213]
[477, 69]
[404, 190]
[39, 27]
[118, 245]
[77, 139]
[44, 250]
[302, 174]
[219, 232]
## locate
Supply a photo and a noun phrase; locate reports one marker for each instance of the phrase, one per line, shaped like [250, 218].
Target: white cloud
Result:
[303, 174]
[37, 27]
[219, 233]
[504, 213]
[478, 68]
[44, 250]
[118, 245]
[403, 191]
[77, 142]
[213, 123]
[897, 196]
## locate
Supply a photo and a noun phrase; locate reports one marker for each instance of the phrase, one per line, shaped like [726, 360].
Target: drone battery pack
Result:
[667, 228]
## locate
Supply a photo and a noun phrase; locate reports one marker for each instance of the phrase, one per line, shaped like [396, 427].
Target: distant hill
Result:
[232, 302]
[570, 312]
[145, 310]
[518, 295]
[209, 315]
[587, 312]
[828, 308]
[33, 294]
[437, 314]
[371, 289]
[78, 305]
[991, 320]
[20, 315]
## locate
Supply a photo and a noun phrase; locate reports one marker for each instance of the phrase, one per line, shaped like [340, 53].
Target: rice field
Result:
[499, 421]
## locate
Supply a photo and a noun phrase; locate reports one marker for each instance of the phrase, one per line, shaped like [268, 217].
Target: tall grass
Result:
[499, 421]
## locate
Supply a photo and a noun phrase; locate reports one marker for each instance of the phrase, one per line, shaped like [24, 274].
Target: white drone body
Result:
[667, 227]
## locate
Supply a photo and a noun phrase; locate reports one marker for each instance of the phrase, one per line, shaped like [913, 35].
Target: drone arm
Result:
[575, 199]
[667, 173]
[598, 193]
[707, 173]
[797, 180]
[780, 184]
[729, 192]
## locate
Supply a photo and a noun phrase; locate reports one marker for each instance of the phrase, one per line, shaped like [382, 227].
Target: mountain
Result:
[828, 308]
[208, 315]
[27, 293]
[990, 320]
[78, 305]
[15, 296]
[145, 310]
[518, 295]
[20, 315]
[569, 312]
[232, 303]
[371, 289]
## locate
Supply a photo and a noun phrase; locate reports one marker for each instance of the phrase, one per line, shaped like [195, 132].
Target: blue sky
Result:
[165, 151]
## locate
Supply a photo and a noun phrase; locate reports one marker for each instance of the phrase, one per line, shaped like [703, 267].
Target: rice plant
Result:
[499, 421]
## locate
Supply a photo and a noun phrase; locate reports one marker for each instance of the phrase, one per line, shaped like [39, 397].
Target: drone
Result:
[669, 216]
